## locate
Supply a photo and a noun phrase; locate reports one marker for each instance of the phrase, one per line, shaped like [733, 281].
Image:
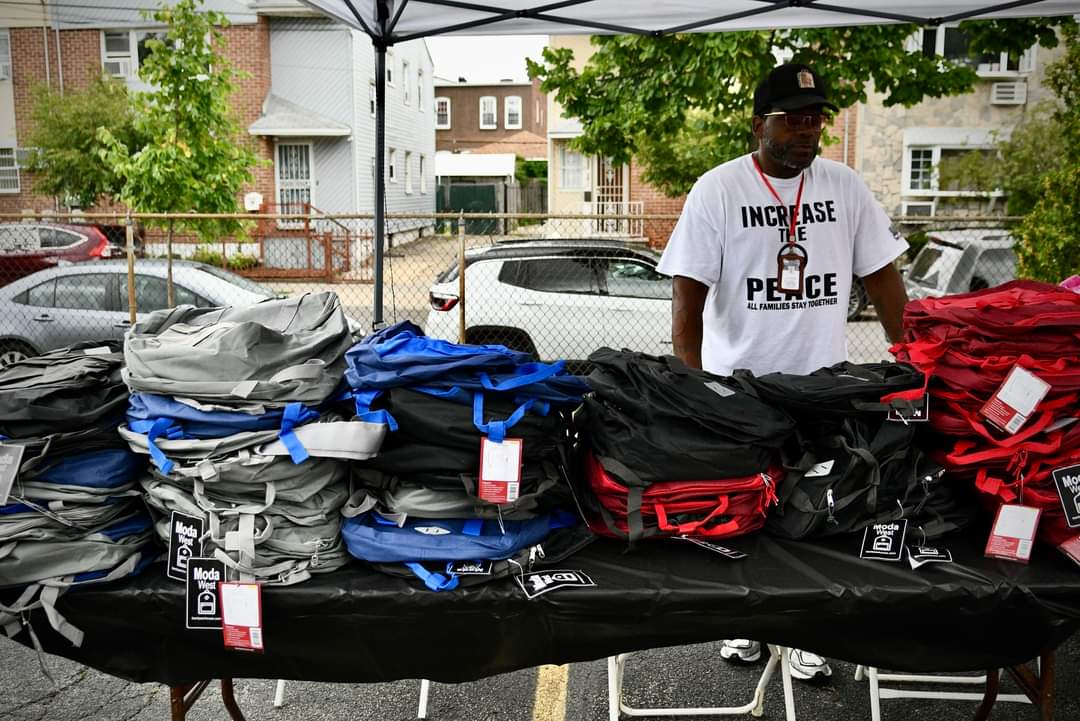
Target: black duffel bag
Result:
[844, 476]
[666, 421]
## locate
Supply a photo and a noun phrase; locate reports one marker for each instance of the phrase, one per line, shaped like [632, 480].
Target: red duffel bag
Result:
[628, 508]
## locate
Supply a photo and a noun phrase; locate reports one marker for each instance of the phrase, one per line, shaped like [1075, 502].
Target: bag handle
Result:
[723, 503]
[527, 374]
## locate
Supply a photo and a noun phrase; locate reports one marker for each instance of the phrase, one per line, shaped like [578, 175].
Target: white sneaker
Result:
[740, 650]
[806, 666]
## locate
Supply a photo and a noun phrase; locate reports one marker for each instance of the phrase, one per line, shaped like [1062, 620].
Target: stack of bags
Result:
[420, 501]
[851, 463]
[675, 451]
[238, 410]
[967, 345]
[73, 515]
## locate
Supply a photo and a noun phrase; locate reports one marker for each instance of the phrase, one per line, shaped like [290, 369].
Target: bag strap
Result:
[526, 374]
[434, 581]
[496, 430]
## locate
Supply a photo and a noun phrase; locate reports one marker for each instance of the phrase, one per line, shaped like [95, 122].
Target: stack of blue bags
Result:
[422, 507]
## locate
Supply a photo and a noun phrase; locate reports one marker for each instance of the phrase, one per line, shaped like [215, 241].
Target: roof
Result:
[472, 165]
[406, 21]
[525, 143]
[286, 119]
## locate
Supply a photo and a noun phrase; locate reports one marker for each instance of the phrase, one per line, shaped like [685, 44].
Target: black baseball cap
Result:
[791, 86]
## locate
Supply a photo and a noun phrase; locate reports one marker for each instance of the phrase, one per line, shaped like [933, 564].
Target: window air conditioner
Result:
[1013, 93]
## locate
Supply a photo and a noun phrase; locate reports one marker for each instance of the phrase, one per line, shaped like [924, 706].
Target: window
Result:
[371, 97]
[924, 171]
[9, 171]
[58, 238]
[553, 275]
[488, 113]
[408, 173]
[419, 89]
[442, 113]
[82, 292]
[391, 170]
[949, 42]
[389, 68]
[124, 51]
[512, 108]
[635, 279]
[151, 294]
[5, 55]
[406, 89]
[573, 170]
[42, 295]
[423, 176]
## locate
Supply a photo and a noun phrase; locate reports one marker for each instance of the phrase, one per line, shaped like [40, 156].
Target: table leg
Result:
[989, 696]
[182, 698]
[1038, 687]
[230, 700]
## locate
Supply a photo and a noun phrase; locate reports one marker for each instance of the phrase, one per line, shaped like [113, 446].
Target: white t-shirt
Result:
[728, 238]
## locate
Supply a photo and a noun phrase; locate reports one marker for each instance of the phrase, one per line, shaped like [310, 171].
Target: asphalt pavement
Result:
[679, 676]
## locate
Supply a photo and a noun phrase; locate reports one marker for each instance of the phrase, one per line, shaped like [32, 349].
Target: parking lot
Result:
[680, 676]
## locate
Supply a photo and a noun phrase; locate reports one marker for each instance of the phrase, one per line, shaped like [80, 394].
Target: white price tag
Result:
[1016, 399]
[1013, 534]
[500, 470]
[241, 615]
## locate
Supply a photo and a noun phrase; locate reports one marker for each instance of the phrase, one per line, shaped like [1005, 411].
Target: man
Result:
[763, 256]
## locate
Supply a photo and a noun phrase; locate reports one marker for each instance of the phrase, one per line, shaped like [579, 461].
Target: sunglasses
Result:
[801, 121]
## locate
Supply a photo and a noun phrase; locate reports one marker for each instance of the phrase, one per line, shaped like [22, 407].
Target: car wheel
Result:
[978, 283]
[13, 351]
[858, 299]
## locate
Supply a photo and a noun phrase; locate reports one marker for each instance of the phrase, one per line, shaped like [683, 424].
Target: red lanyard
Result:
[798, 198]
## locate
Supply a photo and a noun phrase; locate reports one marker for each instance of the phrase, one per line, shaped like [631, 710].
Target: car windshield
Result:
[240, 281]
[933, 263]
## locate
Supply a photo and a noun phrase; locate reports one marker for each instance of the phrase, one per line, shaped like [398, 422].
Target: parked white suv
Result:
[959, 261]
[557, 298]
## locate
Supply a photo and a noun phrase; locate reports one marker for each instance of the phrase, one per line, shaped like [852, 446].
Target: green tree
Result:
[192, 160]
[1049, 236]
[67, 160]
[681, 104]
[1018, 164]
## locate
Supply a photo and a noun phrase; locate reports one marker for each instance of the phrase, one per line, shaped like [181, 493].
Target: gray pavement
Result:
[680, 676]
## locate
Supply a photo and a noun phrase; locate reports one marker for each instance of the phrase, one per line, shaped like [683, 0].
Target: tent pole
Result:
[380, 185]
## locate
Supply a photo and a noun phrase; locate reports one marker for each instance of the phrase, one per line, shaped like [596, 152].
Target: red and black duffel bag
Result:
[632, 509]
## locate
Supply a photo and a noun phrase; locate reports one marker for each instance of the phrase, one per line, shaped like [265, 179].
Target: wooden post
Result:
[461, 278]
[129, 231]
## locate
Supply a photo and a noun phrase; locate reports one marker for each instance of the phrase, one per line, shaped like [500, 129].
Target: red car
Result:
[26, 248]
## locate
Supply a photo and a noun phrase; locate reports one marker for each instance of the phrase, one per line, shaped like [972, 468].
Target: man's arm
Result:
[886, 290]
[687, 302]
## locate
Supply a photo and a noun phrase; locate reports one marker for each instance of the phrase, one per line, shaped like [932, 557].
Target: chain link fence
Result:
[558, 286]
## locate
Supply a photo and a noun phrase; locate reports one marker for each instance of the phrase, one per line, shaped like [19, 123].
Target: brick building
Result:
[317, 136]
[491, 118]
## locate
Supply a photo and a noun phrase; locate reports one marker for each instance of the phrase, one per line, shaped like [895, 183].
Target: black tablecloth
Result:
[357, 625]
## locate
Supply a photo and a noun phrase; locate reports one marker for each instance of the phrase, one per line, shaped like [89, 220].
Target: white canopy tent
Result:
[393, 21]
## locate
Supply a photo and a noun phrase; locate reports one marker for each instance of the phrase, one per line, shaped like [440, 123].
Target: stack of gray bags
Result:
[74, 514]
[243, 416]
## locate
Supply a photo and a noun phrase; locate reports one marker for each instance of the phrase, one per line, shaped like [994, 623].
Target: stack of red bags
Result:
[967, 345]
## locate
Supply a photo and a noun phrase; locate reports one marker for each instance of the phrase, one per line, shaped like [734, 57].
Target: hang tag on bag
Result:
[1071, 548]
[500, 470]
[884, 541]
[10, 461]
[1014, 402]
[790, 269]
[241, 615]
[921, 555]
[203, 577]
[1013, 534]
[1067, 481]
[715, 548]
[185, 543]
